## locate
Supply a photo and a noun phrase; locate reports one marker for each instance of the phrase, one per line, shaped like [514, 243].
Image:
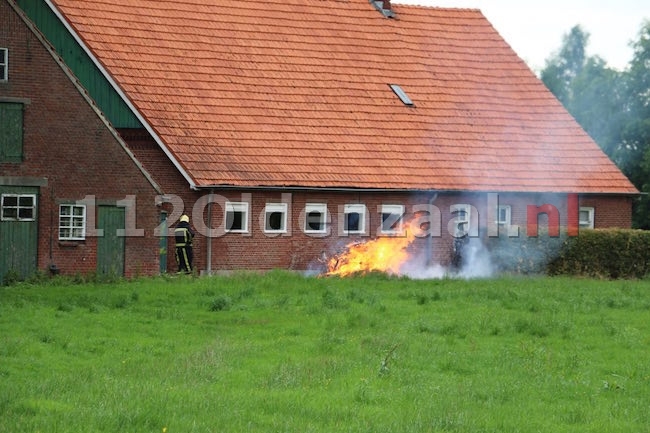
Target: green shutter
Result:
[11, 132]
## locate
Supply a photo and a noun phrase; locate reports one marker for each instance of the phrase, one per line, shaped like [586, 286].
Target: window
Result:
[275, 218]
[18, 207]
[401, 94]
[4, 64]
[586, 218]
[354, 221]
[72, 222]
[391, 218]
[504, 214]
[11, 132]
[461, 213]
[315, 218]
[237, 217]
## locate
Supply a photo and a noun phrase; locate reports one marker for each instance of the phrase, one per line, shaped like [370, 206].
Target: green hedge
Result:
[604, 253]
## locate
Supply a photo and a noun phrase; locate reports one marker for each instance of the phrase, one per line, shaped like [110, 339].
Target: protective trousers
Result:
[184, 258]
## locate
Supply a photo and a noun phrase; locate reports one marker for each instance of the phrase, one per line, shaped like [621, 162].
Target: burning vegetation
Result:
[394, 255]
[385, 254]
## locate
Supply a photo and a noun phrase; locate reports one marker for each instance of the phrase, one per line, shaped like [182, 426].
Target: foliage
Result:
[610, 253]
[298, 354]
[612, 106]
[636, 132]
[565, 66]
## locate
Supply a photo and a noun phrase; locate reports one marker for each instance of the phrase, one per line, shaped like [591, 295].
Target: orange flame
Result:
[385, 254]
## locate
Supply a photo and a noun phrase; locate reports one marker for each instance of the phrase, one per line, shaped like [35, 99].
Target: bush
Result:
[604, 253]
[221, 303]
[11, 278]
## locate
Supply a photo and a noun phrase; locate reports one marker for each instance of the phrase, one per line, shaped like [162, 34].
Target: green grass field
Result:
[284, 353]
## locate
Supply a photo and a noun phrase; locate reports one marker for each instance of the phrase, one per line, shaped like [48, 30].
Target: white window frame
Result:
[589, 224]
[236, 206]
[4, 65]
[272, 208]
[76, 224]
[456, 209]
[507, 210]
[18, 207]
[315, 207]
[357, 208]
[392, 209]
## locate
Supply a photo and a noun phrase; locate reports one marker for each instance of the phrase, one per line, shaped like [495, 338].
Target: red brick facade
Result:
[69, 149]
[298, 250]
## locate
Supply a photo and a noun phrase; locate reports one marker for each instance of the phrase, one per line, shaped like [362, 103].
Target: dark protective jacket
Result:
[183, 234]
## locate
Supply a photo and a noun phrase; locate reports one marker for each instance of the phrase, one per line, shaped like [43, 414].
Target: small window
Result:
[504, 215]
[354, 221]
[4, 64]
[315, 218]
[391, 218]
[237, 217]
[18, 207]
[586, 219]
[72, 222]
[11, 132]
[275, 218]
[401, 94]
[461, 213]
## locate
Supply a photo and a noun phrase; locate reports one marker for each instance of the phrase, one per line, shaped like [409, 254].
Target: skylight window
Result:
[401, 94]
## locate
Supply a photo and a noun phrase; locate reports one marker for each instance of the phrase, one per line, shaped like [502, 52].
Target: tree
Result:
[562, 68]
[597, 102]
[593, 93]
[612, 106]
[635, 133]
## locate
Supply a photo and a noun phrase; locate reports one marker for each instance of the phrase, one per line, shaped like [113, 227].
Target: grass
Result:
[284, 353]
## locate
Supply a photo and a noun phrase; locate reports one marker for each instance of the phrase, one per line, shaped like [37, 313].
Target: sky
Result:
[534, 29]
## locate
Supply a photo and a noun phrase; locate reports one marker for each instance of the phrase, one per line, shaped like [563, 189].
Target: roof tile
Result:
[296, 93]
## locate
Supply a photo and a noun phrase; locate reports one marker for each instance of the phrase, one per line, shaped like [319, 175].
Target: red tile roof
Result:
[282, 93]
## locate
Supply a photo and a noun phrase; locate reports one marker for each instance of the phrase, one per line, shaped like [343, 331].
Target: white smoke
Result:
[476, 263]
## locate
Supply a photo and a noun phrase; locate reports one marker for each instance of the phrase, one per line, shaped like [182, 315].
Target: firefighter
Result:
[460, 240]
[183, 235]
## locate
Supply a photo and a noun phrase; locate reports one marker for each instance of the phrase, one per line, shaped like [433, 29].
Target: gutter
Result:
[285, 188]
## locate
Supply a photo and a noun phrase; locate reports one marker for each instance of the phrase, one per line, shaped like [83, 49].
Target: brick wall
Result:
[610, 211]
[301, 251]
[67, 142]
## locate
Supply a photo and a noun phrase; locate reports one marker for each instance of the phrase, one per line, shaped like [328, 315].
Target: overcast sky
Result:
[534, 29]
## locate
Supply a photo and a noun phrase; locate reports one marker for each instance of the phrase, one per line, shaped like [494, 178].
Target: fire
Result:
[385, 254]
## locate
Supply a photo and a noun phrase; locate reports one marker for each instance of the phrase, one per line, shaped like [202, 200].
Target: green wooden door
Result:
[18, 232]
[110, 246]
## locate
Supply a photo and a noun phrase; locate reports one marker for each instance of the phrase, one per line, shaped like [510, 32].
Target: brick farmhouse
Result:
[283, 128]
